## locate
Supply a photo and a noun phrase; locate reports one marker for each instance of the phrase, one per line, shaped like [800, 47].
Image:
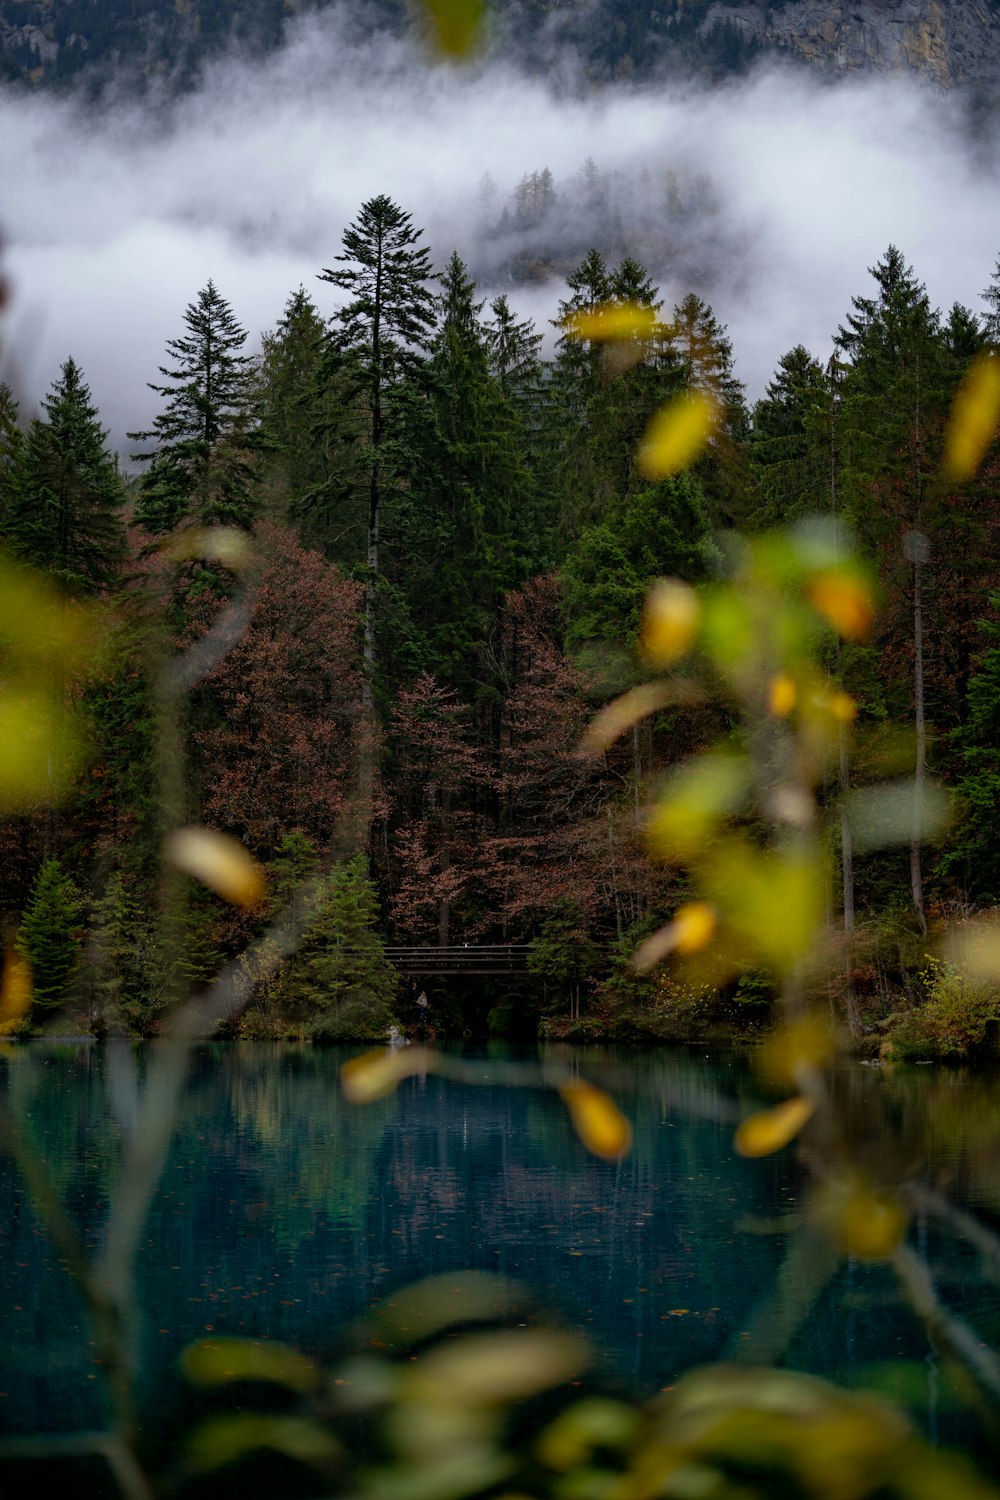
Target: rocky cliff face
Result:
[950, 42]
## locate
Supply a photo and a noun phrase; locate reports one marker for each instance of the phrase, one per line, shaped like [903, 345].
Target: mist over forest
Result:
[768, 194]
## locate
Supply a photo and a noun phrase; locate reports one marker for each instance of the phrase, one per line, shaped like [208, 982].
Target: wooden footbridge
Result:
[501, 958]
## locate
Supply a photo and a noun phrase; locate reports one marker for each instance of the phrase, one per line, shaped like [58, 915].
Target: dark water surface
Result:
[284, 1211]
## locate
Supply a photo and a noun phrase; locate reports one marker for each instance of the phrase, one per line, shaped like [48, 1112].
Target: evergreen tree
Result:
[973, 853]
[126, 994]
[991, 296]
[11, 443]
[661, 530]
[342, 972]
[379, 339]
[201, 464]
[308, 434]
[65, 499]
[790, 446]
[49, 935]
[470, 491]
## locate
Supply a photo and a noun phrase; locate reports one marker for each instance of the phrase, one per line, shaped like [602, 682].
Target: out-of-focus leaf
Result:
[218, 861]
[669, 622]
[772, 900]
[782, 695]
[597, 1120]
[975, 413]
[594, 1422]
[36, 623]
[615, 718]
[770, 1129]
[806, 1042]
[227, 545]
[486, 1369]
[413, 1314]
[727, 629]
[221, 1361]
[695, 798]
[15, 989]
[455, 26]
[844, 599]
[842, 707]
[677, 434]
[613, 321]
[887, 813]
[692, 929]
[40, 751]
[973, 947]
[867, 1222]
[469, 1472]
[376, 1074]
[226, 1439]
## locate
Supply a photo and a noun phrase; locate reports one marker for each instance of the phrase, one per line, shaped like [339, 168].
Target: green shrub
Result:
[953, 1021]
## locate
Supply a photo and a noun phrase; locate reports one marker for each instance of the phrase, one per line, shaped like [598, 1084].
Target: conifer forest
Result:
[449, 538]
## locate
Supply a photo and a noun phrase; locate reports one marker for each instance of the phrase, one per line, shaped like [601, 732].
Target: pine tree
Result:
[49, 935]
[380, 337]
[66, 494]
[201, 462]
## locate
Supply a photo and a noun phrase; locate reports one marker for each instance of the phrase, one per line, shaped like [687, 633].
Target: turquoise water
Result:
[284, 1211]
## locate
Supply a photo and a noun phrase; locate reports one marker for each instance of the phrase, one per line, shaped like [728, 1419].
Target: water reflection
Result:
[284, 1211]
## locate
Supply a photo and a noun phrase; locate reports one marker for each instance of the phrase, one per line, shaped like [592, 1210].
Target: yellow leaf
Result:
[974, 416]
[218, 861]
[227, 1438]
[781, 695]
[843, 708]
[691, 930]
[456, 26]
[610, 722]
[224, 1360]
[693, 801]
[770, 1129]
[773, 901]
[597, 1120]
[867, 1222]
[375, 1074]
[806, 1042]
[677, 434]
[39, 749]
[613, 321]
[669, 622]
[484, 1369]
[15, 988]
[844, 600]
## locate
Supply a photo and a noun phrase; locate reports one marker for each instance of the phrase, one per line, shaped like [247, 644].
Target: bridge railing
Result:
[463, 958]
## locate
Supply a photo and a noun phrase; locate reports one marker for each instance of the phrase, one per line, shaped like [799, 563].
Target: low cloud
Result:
[769, 196]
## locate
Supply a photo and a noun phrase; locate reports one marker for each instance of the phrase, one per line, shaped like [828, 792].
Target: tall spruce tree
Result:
[201, 460]
[894, 381]
[49, 935]
[790, 442]
[379, 338]
[63, 511]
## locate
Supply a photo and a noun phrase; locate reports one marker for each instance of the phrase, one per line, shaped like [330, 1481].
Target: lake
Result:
[284, 1211]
